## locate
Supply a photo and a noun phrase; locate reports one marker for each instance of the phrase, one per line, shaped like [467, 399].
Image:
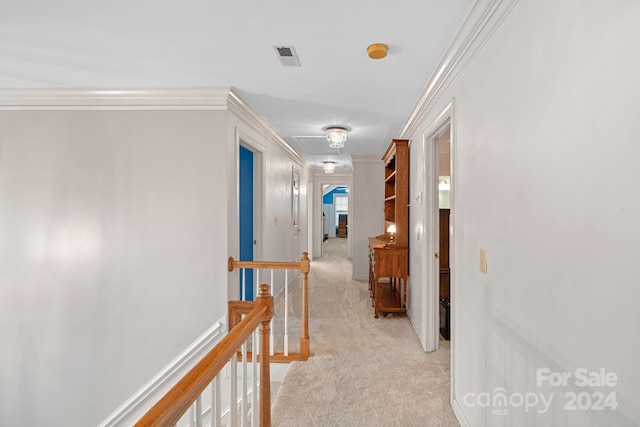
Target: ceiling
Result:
[161, 43]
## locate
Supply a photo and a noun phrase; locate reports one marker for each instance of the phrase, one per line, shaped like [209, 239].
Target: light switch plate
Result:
[483, 260]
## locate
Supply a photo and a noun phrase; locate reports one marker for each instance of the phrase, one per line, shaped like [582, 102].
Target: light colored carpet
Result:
[363, 371]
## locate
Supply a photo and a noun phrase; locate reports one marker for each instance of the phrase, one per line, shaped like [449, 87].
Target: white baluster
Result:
[198, 412]
[243, 285]
[233, 393]
[243, 420]
[216, 410]
[255, 286]
[271, 337]
[286, 312]
[254, 374]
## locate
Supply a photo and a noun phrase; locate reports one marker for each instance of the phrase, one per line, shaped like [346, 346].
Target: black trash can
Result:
[445, 318]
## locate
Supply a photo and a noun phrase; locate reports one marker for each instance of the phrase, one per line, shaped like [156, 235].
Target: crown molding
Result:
[484, 17]
[244, 111]
[211, 98]
[366, 158]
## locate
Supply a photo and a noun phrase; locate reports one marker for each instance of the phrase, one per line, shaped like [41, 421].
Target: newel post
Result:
[265, 299]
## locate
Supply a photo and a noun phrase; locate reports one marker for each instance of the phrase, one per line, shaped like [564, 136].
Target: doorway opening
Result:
[335, 219]
[439, 214]
[295, 213]
[246, 212]
[443, 146]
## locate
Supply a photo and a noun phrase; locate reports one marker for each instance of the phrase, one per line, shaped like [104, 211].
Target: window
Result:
[342, 205]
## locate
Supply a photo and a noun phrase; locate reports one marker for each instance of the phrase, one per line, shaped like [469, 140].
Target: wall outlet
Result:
[483, 260]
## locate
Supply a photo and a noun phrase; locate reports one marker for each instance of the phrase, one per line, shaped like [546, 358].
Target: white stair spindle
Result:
[271, 337]
[257, 283]
[243, 285]
[216, 410]
[198, 412]
[243, 420]
[254, 380]
[286, 312]
[233, 393]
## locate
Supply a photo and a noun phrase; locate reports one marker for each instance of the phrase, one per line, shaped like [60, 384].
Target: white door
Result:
[295, 214]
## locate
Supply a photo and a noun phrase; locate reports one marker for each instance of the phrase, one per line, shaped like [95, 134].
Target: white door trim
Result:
[259, 207]
[431, 218]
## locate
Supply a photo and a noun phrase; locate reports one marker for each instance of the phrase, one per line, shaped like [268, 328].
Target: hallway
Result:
[362, 371]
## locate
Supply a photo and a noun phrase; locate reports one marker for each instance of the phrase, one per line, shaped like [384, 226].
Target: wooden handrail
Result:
[304, 265]
[177, 401]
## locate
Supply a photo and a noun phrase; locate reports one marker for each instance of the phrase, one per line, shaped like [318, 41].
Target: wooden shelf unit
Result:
[396, 189]
[389, 259]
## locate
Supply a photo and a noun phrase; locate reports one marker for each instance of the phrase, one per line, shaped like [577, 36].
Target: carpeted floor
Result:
[363, 371]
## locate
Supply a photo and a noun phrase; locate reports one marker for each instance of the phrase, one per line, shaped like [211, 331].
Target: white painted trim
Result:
[213, 98]
[320, 180]
[366, 158]
[453, 168]
[457, 411]
[415, 328]
[484, 17]
[242, 138]
[131, 410]
[246, 113]
[296, 251]
[431, 300]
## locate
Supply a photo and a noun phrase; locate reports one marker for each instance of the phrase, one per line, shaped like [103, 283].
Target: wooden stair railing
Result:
[179, 399]
[304, 267]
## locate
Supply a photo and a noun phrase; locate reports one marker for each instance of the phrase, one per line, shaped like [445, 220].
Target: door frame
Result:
[431, 219]
[295, 212]
[243, 139]
[319, 181]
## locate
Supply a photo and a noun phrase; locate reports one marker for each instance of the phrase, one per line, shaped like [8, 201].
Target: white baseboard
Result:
[131, 410]
[457, 410]
[417, 330]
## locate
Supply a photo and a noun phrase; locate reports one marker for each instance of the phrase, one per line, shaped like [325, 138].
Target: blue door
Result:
[246, 221]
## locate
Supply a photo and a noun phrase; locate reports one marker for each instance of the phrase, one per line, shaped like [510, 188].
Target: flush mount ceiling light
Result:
[377, 50]
[336, 136]
[329, 167]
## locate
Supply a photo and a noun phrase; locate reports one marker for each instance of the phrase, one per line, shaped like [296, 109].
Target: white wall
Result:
[367, 209]
[116, 228]
[542, 115]
[110, 224]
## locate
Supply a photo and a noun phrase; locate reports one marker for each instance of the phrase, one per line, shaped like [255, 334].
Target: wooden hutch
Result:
[389, 253]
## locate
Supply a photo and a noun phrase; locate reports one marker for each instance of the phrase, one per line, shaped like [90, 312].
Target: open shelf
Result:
[389, 258]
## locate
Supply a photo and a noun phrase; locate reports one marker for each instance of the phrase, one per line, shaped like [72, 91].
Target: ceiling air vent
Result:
[287, 56]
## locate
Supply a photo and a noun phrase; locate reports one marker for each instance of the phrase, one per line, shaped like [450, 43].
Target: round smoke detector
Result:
[377, 50]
